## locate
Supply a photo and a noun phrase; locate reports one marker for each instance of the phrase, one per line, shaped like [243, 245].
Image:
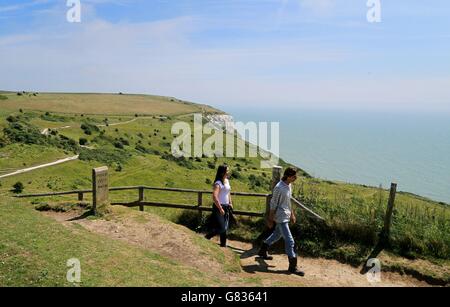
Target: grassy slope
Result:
[101, 104]
[34, 251]
[352, 210]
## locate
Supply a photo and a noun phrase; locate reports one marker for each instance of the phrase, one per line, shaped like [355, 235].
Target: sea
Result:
[372, 148]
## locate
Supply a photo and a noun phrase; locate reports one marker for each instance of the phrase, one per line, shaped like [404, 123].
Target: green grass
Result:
[109, 104]
[18, 156]
[34, 251]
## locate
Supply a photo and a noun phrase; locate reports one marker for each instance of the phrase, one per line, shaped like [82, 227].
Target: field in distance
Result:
[107, 104]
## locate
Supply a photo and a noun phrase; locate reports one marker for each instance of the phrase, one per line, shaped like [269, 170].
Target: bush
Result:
[65, 143]
[256, 181]
[118, 145]
[12, 119]
[54, 118]
[142, 149]
[89, 128]
[2, 143]
[211, 165]
[83, 141]
[236, 174]
[125, 142]
[21, 132]
[107, 156]
[25, 133]
[2, 97]
[182, 161]
[18, 187]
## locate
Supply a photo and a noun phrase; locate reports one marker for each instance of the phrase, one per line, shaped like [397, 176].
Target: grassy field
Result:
[34, 251]
[100, 104]
[137, 152]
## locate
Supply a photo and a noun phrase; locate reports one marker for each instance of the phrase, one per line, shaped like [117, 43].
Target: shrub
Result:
[2, 142]
[21, 132]
[107, 156]
[211, 165]
[18, 187]
[12, 119]
[236, 174]
[83, 141]
[142, 149]
[53, 118]
[125, 142]
[182, 161]
[2, 97]
[89, 128]
[118, 145]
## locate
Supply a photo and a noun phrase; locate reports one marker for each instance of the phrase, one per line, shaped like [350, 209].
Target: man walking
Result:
[281, 213]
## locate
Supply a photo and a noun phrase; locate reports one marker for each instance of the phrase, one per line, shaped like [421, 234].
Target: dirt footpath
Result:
[174, 241]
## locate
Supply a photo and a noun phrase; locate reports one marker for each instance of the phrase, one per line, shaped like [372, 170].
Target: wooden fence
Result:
[141, 203]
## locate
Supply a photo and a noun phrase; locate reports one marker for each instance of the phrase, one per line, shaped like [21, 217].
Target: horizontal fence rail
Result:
[199, 207]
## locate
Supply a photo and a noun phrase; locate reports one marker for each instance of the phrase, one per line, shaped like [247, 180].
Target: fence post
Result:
[388, 218]
[199, 204]
[276, 177]
[100, 191]
[141, 199]
[80, 196]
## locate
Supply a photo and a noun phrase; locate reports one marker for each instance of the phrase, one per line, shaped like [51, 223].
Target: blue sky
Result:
[294, 53]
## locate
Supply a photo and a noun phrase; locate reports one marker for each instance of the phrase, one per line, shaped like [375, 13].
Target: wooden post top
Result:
[100, 169]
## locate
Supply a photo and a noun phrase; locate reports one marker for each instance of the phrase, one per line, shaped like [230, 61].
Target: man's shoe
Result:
[293, 267]
[263, 252]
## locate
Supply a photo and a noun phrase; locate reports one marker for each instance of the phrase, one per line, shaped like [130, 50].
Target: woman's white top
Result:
[224, 192]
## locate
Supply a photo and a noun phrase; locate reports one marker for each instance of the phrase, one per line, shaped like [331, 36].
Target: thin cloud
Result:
[22, 6]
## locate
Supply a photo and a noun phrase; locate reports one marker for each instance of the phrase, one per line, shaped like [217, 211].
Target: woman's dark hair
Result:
[289, 172]
[221, 172]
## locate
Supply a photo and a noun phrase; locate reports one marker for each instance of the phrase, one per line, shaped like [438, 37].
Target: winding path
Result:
[25, 170]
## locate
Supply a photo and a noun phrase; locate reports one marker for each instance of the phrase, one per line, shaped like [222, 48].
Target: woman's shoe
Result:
[223, 240]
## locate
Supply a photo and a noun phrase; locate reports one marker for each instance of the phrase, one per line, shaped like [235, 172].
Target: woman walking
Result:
[222, 205]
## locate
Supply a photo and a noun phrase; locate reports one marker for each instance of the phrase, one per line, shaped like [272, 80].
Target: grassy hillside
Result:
[34, 251]
[99, 104]
[137, 152]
